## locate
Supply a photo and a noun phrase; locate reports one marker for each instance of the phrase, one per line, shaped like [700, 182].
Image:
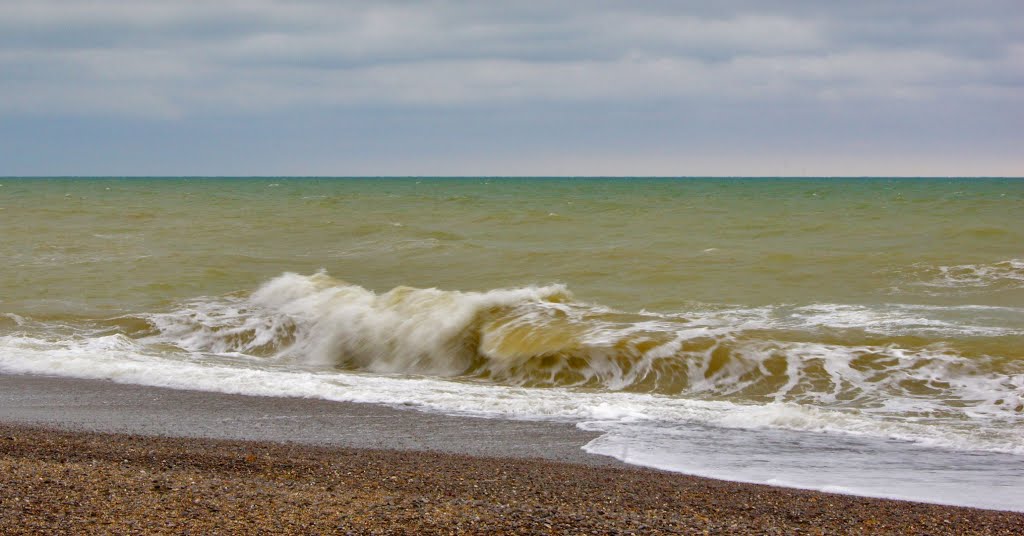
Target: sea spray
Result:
[542, 337]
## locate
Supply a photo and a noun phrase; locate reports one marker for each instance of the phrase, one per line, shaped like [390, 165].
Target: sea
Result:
[853, 335]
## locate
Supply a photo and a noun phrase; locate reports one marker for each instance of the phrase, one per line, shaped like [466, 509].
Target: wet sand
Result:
[96, 457]
[103, 406]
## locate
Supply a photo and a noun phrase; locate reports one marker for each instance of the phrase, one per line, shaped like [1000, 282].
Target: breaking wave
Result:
[944, 376]
[900, 359]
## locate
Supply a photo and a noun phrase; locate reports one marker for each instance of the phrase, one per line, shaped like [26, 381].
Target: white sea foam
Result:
[980, 274]
[862, 465]
[902, 319]
[965, 278]
[122, 359]
[318, 320]
[881, 319]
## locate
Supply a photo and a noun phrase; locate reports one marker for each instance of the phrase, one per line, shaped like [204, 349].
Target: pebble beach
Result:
[61, 482]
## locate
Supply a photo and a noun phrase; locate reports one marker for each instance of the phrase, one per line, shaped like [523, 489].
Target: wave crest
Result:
[541, 336]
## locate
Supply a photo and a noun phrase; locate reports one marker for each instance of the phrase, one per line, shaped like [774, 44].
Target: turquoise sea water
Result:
[862, 335]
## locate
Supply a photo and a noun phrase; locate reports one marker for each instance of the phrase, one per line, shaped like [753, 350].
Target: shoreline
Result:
[89, 455]
[84, 405]
[57, 481]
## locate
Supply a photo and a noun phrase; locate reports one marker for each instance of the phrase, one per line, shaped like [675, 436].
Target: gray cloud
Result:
[177, 58]
[184, 61]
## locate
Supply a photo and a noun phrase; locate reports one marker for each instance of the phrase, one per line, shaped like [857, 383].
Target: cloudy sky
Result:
[261, 87]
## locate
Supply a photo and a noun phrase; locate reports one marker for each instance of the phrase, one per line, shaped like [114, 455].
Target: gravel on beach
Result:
[59, 482]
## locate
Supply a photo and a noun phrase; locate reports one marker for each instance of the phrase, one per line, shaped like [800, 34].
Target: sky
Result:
[667, 88]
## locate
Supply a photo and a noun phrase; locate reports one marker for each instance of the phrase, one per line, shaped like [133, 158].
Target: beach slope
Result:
[62, 471]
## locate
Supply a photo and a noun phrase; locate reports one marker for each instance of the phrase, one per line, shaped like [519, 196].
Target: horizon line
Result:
[471, 176]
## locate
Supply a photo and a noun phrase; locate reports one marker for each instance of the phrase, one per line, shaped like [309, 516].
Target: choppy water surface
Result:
[860, 335]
